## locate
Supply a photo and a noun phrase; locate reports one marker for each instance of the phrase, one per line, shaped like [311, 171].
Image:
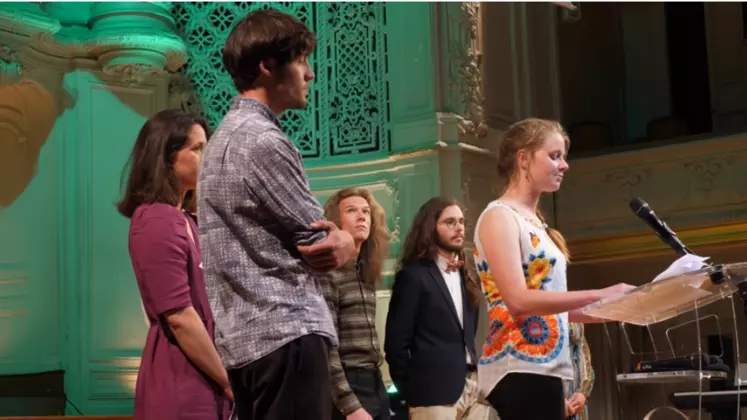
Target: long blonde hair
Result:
[375, 249]
[530, 135]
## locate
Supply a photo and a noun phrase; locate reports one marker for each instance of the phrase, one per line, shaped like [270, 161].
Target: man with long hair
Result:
[358, 391]
[433, 313]
[262, 232]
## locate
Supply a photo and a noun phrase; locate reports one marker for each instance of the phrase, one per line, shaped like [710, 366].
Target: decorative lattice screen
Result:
[348, 101]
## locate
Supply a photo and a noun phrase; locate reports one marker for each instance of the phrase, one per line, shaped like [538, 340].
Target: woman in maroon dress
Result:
[181, 376]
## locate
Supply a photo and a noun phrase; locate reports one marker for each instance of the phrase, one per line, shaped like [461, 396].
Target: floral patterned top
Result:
[532, 344]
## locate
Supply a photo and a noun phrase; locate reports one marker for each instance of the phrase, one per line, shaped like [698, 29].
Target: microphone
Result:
[642, 210]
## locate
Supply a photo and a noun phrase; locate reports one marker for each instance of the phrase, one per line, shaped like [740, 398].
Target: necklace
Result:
[534, 221]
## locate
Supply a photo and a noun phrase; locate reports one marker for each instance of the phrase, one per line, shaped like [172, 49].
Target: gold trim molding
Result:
[647, 244]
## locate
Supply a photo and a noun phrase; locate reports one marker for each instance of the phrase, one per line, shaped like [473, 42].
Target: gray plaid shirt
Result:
[255, 207]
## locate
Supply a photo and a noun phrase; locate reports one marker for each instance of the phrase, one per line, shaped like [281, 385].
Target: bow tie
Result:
[452, 266]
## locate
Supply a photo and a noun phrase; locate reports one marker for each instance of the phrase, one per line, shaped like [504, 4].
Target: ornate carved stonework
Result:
[693, 186]
[703, 172]
[180, 91]
[10, 68]
[463, 87]
[469, 212]
[134, 74]
[26, 19]
[135, 41]
[473, 99]
[132, 41]
[626, 178]
[392, 189]
[115, 52]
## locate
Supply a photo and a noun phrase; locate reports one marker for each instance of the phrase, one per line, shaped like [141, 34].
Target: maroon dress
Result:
[168, 268]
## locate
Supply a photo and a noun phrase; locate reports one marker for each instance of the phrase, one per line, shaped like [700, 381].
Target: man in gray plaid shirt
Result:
[262, 231]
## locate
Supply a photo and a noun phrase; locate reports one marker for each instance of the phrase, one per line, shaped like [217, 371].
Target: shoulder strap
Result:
[493, 204]
[499, 203]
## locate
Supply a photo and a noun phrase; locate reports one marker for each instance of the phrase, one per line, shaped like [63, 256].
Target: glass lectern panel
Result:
[669, 344]
[666, 298]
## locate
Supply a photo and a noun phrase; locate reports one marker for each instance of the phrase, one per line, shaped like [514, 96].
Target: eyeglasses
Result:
[452, 223]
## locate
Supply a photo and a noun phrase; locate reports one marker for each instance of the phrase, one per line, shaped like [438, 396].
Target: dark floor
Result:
[40, 394]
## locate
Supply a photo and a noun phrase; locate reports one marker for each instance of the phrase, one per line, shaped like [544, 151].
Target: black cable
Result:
[73, 405]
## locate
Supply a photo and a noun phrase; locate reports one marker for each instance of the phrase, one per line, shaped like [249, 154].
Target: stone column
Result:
[467, 165]
[135, 40]
[459, 65]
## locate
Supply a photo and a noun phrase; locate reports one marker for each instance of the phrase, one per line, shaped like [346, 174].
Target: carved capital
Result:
[131, 40]
[159, 50]
[461, 66]
[133, 73]
[135, 41]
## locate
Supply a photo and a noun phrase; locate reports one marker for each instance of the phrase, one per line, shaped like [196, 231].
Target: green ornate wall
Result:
[347, 117]
[77, 80]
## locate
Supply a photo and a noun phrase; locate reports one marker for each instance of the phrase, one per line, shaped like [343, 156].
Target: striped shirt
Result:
[255, 208]
[352, 304]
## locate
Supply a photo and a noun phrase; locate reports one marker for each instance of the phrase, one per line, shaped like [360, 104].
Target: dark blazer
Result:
[424, 343]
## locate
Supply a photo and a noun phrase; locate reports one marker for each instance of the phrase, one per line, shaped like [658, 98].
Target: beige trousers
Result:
[469, 406]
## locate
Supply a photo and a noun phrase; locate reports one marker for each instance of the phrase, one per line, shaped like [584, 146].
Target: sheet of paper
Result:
[684, 264]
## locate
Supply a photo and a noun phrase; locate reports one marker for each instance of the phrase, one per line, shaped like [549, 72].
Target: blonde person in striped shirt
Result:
[358, 391]
[578, 391]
